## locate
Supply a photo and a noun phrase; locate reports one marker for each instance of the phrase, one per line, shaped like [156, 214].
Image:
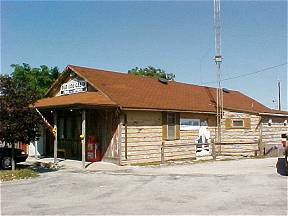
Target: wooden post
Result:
[36, 147]
[83, 138]
[13, 156]
[162, 153]
[120, 139]
[55, 137]
[260, 144]
[126, 144]
[213, 151]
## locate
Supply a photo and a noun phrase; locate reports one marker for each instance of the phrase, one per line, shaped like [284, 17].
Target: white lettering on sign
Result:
[73, 86]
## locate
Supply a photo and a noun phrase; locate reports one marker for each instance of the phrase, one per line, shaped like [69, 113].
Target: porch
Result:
[83, 130]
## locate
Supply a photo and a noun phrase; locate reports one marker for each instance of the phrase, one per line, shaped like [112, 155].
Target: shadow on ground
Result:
[36, 168]
[281, 168]
[87, 165]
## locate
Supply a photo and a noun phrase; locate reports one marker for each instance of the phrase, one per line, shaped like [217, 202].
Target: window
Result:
[238, 123]
[189, 124]
[243, 123]
[171, 126]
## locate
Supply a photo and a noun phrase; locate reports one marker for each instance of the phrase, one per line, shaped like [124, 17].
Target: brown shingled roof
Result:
[80, 99]
[131, 91]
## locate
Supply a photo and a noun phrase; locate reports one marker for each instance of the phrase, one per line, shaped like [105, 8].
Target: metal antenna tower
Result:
[279, 95]
[218, 60]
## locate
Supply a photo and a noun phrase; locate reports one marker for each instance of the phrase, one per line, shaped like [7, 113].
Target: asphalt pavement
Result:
[247, 186]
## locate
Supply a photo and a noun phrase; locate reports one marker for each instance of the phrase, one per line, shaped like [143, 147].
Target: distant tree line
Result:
[37, 79]
[151, 71]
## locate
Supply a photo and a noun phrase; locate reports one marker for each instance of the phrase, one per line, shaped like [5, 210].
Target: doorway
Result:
[69, 130]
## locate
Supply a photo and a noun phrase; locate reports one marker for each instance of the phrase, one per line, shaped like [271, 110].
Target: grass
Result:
[193, 161]
[226, 159]
[202, 161]
[9, 175]
[147, 164]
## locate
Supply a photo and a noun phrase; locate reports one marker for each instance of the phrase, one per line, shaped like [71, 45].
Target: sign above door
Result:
[73, 86]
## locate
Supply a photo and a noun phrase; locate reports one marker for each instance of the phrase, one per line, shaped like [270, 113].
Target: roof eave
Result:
[274, 114]
[77, 106]
[165, 110]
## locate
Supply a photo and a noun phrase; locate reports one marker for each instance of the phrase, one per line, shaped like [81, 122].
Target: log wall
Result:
[240, 136]
[271, 134]
[250, 134]
[243, 149]
[144, 137]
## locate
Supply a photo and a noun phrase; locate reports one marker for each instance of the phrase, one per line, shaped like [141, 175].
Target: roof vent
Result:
[226, 90]
[163, 80]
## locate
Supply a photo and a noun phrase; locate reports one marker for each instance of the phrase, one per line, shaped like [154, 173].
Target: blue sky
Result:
[175, 36]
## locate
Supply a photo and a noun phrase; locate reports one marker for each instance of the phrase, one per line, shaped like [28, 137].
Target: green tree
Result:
[19, 121]
[37, 79]
[152, 72]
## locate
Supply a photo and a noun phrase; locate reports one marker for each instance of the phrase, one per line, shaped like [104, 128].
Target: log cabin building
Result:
[130, 119]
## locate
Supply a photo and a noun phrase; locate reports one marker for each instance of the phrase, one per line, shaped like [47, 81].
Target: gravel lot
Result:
[247, 186]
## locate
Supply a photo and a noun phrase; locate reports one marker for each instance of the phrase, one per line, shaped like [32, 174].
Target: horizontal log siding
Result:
[179, 152]
[271, 135]
[173, 151]
[188, 138]
[238, 149]
[239, 135]
[144, 137]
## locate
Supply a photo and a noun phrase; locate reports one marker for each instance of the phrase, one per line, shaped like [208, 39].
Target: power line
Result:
[248, 74]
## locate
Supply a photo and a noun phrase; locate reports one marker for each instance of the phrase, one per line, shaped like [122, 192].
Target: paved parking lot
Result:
[248, 186]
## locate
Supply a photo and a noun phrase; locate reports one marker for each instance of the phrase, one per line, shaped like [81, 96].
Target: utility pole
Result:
[218, 61]
[279, 95]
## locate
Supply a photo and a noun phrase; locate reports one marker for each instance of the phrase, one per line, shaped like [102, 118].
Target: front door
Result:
[69, 130]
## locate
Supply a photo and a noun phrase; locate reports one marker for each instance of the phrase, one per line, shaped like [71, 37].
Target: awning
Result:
[91, 99]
